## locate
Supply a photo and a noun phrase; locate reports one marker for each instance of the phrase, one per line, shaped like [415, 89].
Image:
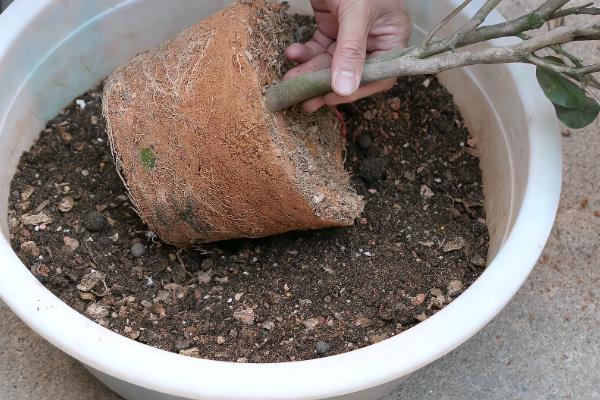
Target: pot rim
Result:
[368, 367]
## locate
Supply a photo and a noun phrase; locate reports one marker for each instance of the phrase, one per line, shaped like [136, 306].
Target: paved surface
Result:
[544, 345]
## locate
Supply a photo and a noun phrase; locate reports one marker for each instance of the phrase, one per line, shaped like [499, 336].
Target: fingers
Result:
[390, 32]
[349, 58]
[313, 105]
[385, 43]
[333, 99]
[303, 52]
[314, 55]
[347, 31]
[318, 63]
[300, 52]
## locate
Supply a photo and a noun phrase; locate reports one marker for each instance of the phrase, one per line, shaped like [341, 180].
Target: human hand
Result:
[347, 32]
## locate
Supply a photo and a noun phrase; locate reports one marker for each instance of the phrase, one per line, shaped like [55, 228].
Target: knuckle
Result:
[353, 49]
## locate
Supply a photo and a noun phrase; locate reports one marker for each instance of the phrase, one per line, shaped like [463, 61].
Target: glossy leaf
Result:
[573, 107]
[577, 118]
[559, 90]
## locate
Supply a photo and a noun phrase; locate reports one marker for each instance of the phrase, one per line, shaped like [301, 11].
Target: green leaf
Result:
[573, 107]
[559, 90]
[147, 158]
[577, 118]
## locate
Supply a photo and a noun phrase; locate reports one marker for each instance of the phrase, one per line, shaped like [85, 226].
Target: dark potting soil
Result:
[420, 242]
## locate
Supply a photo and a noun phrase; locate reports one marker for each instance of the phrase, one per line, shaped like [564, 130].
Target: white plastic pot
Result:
[53, 50]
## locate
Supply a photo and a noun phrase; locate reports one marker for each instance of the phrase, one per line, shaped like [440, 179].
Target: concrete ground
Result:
[544, 345]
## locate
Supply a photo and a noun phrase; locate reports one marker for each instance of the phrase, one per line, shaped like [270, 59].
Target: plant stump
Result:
[202, 157]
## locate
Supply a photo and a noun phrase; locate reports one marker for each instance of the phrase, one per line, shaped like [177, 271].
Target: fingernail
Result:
[346, 83]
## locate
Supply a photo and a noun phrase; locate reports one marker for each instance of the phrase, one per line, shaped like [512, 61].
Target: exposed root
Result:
[272, 35]
[202, 157]
[179, 74]
[315, 148]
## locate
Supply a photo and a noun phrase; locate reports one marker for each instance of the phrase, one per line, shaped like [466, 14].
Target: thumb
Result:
[351, 48]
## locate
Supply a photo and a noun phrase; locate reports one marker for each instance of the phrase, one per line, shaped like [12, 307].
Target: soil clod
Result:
[454, 287]
[372, 169]
[322, 347]
[138, 249]
[94, 222]
[364, 141]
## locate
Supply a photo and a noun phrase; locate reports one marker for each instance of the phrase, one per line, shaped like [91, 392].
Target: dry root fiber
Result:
[202, 157]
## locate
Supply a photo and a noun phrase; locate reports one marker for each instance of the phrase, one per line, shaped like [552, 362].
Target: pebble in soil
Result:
[420, 242]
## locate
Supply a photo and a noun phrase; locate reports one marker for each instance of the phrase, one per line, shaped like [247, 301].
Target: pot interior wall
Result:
[72, 45]
[50, 65]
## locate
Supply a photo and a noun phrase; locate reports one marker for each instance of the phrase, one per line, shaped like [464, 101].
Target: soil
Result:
[419, 243]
